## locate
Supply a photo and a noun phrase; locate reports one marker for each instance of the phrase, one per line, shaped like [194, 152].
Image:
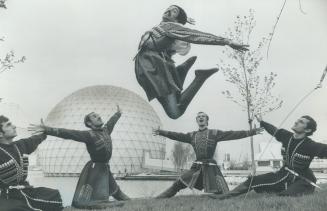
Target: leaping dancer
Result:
[155, 69]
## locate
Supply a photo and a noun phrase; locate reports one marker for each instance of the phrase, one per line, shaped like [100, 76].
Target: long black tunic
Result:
[297, 156]
[204, 172]
[13, 173]
[96, 182]
[154, 68]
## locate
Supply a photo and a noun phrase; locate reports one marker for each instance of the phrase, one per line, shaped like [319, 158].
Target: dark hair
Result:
[3, 119]
[87, 119]
[182, 17]
[312, 124]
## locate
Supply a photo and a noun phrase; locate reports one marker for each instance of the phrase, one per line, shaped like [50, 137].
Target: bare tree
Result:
[181, 153]
[9, 60]
[253, 89]
[246, 164]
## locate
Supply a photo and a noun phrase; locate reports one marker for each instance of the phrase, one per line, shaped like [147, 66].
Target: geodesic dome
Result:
[131, 137]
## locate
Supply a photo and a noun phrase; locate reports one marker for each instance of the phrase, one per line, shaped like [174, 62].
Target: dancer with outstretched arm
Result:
[96, 182]
[295, 178]
[204, 173]
[16, 194]
[155, 69]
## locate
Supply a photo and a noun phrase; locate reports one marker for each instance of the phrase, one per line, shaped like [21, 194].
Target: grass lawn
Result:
[253, 202]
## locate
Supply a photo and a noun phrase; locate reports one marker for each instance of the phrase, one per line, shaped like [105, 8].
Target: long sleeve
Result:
[181, 137]
[318, 150]
[29, 145]
[112, 122]
[279, 134]
[76, 135]
[233, 135]
[179, 32]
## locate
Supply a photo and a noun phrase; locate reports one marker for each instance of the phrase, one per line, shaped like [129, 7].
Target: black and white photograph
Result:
[163, 105]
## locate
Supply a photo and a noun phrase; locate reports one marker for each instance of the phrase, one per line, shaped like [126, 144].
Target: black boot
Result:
[200, 77]
[172, 190]
[183, 69]
[120, 196]
[240, 189]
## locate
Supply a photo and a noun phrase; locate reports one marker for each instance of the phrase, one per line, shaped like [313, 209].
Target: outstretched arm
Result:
[76, 135]
[113, 120]
[279, 134]
[233, 135]
[179, 32]
[181, 137]
[29, 145]
[271, 129]
[319, 150]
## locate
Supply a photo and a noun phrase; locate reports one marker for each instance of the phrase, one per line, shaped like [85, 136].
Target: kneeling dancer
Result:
[16, 193]
[295, 178]
[204, 173]
[96, 182]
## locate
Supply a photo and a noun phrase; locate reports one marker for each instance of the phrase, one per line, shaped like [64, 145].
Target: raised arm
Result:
[29, 145]
[181, 137]
[112, 121]
[233, 135]
[279, 134]
[179, 32]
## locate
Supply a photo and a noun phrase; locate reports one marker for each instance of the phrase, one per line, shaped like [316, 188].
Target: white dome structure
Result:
[131, 137]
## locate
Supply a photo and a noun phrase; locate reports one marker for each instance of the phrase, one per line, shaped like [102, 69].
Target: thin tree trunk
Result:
[252, 151]
[248, 104]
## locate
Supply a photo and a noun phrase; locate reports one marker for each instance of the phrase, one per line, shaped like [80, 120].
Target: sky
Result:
[71, 44]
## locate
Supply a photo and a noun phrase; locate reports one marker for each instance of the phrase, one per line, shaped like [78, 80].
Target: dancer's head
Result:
[7, 129]
[202, 119]
[305, 125]
[93, 120]
[176, 14]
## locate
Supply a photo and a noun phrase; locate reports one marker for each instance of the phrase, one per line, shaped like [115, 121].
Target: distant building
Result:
[132, 134]
[226, 164]
[269, 157]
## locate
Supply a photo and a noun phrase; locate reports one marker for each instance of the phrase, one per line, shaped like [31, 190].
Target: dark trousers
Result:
[172, 190]
[287, 187]
[13, 205]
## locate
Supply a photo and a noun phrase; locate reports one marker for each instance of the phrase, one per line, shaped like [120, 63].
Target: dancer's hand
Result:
[118, 109]
[155, 131]
[37, 129]
[190, 21]
[239, 47]
[258, 130]
[258, 117]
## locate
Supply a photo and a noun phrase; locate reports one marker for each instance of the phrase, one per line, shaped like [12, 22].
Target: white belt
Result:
[18, 187]
[201, 163]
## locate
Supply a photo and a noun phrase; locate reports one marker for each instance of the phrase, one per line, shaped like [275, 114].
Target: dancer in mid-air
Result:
[295, 178]
[204, 173]
[16, 194]
[96, 182]
[155, 69]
